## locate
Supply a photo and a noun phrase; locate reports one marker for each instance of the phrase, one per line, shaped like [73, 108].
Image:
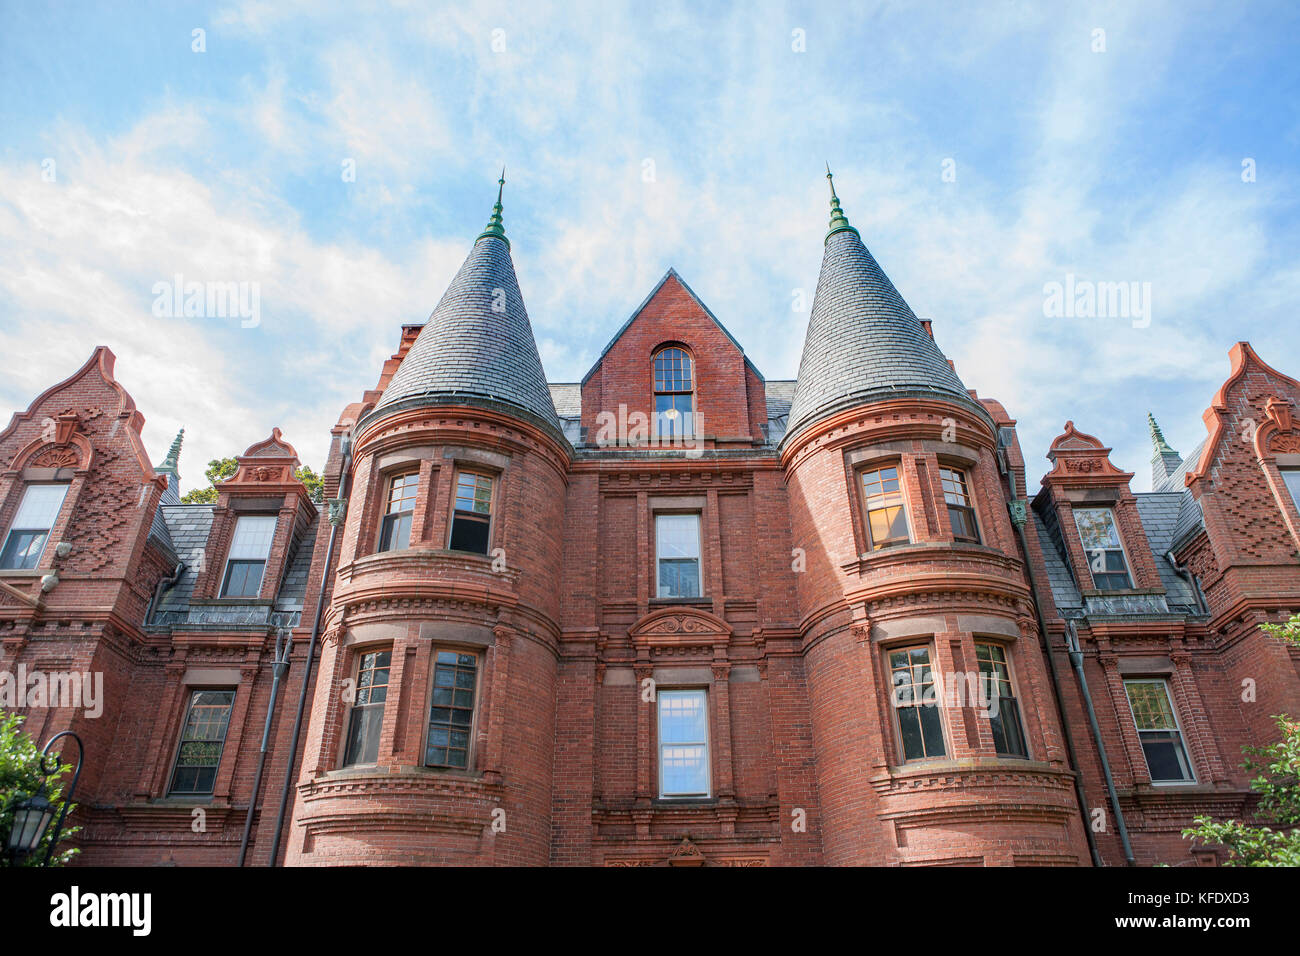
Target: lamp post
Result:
[32, 813]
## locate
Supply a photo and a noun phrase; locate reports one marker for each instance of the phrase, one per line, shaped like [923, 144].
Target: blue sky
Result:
[225, 166]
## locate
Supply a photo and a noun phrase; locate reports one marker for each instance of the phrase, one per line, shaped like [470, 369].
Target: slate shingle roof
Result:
[1189, 509]
[1064, 591]
[468, 352]
[863, 340]
[1159, 512]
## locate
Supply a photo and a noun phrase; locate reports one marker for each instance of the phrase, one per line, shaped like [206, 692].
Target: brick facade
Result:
[793, 637]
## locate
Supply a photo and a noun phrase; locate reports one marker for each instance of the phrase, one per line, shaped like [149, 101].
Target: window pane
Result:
[683, 743]
[1097, 528]
[401, 492]
[39, 508]
[22, 550]
[1150, 702]
[1166, 758]
[954, 486]
[679, 578]
[920, 726]
[684, 770]
[888, 526]
[1008, 739]
[395, 535]
[252, 539]
[363, 735]
[469, 534]
[682, 717]
[909, 727]
[672, 371]
[473, 493]
[202, 740]
[674, 415]
[455, 677]
[677, 536]
[243, 579]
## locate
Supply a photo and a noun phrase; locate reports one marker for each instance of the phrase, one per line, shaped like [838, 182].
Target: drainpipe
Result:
[335, 519]
[1185, 573]
[1019, 512]
[279, 668]
[1076, 658]
[163, 585]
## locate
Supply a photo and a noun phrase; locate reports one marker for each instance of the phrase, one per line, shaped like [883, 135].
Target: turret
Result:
[915, 595]
[445, 608]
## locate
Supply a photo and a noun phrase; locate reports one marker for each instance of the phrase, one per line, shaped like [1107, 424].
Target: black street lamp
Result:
[32, 813]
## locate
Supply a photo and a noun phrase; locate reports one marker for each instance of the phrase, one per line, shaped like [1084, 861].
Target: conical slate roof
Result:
[477, 347]
[863, 343]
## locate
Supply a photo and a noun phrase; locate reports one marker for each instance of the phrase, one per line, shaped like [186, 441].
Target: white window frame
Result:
[1178, 726]
[15, 527]
[231, 556]
[699, 550]
[703, 693]
[1119, 536]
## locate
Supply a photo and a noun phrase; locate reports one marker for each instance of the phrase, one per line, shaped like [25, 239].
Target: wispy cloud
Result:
[637, 139]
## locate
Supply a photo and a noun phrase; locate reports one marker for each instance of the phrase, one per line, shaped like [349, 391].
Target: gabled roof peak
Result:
[673, 274]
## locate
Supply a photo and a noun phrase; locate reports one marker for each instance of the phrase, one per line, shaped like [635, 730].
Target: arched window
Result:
[674, 393]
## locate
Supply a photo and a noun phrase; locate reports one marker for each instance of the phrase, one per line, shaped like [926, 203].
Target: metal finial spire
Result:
[172, 461]
[1157, 436]
[494, 227]
[839, 222]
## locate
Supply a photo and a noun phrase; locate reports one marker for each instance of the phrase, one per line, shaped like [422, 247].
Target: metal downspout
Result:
[1076, 658]
[279, 668]
[311, 652]
[1056, 683]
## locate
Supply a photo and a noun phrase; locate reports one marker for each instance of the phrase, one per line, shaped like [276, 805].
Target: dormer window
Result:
[886, 513]
[246, 562]
[674, 394]
[31, 526]
[1102, 548]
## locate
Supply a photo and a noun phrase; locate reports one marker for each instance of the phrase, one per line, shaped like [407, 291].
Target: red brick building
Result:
[676, 613]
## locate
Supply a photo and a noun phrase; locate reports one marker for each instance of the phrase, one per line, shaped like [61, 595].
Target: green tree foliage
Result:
[20, 776]
[314, 482]
[1277, 767]
[1290, 631]
[219, 469]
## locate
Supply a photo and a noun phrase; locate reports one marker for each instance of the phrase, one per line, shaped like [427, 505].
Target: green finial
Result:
[172, 461]
[1157, 436]
[839, 222]
[494, 227]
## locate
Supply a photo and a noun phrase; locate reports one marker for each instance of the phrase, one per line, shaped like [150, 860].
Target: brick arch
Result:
[73, 452]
